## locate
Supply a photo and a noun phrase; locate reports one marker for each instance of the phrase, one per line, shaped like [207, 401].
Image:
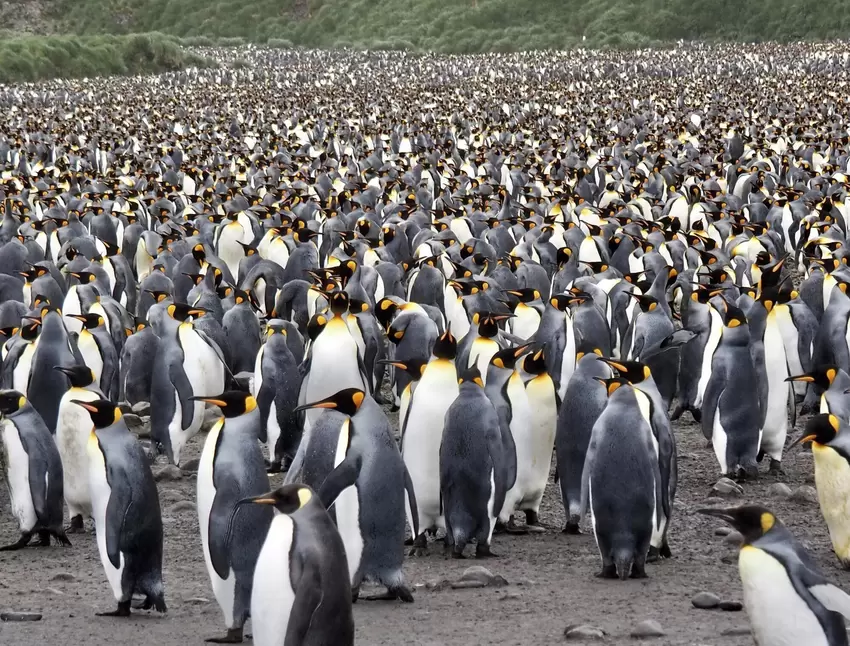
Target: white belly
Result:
[73, 428]
[544, 420]
[272, 431]
[71, 305]
[776, 422]
[526, 322]
[228, 246]
[568, 362]
[223, 589]
[832, 477]
[779, 617]
[18, 477]
[334, 365]
[456, 314]
[21, 373]
[521, 432]
[91, 355]
[708, 355]
[790, 339]
[257, 382]
[480, 353]
[718, 441]
[272, 596]
[100, 492]
[347, 508]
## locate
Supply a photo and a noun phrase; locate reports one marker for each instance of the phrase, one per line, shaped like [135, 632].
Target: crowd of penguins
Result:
[527, 256]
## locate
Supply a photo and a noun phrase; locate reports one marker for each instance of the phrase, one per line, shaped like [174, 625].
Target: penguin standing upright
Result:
[47, 385]
[367, 490]
[98, 352]
[471, 469]
[73, 427]
[830, 438]
[127, 516]
[302, 591]
[231, 468]
[620, 481]
[787, 598]
[33, 472]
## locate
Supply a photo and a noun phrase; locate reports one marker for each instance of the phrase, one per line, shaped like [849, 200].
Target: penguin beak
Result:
[397, 364]
[723, 514]
[34, 319]
[79, 317]
[806, 378]
[321, 404]
[197, 311]
[803, 440]
[210, 400]
[85, 405]
[520, 349]
[265, 499]
[614, 364]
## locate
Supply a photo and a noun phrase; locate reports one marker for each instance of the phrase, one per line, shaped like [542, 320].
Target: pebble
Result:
[20, 616]
[482, 575]
[197, 601]
[125, 408]
[805, 493]
[739, 630]
[733, 538]
[183, 505]
[168, 473]
[727, 487]
[714, 500]
[705, 600]
[191, 466]
[731, 606]
[55, 591]
[509, 595]
[779, 490]
[66, 577]
[648, 628]
[141, 408]
[461, 585]
[723, 531]
[583, 632]
[211, 416]
[439, 585]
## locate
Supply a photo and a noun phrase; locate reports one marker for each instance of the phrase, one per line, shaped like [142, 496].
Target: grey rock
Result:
[142, 409]
[583, 631]
[779, 490]
[438, 585]
[705, 600]
[20, 616]
[190, 466]
[736, 631]
[168, 473]
[211, 416]
[55, 591]
[731, 606]
[646, 629]
[65, 577]
[132, 421]
[727, 488]
[197, 601]
[714, 500]
[483, 575]
[125, 408]
[509, 596]
[722, 531]
[733, 538]
[461, 585]
[183, 505]
[805, 493]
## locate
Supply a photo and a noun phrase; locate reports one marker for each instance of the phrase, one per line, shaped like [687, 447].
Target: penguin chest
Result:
[568, 361]
[272, 595]
[200, 362]
[334, 365]
[526, 322]
[91, 353]
[480, 353]
[347, 508]
[100, 494]
[71, 305]
[229, 249]
[776, 422]
[778, 615]
[711, 344]
[17, 466]
[21, 373]
[832, 477]
[540, 392]
[73, 427]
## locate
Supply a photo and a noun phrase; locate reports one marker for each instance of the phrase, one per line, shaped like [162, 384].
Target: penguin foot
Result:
[512, 528]
[638, 572]
[775, 468]
[532, 522]
[43, 539]
[76, 526]
[677, 411]
[22, 542]
[457, 553]
[418, 551]
[420, 546]
[233, 636]
[400, 593]
[355, 594]
[408, 542]
[608, 572]
[484, 552]
[697, 415]
[571, 528]
[653, 555]
[123, 610]
[665, 552]
[273, 467]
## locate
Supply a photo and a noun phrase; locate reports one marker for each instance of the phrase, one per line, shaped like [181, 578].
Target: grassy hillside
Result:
[32, 58]
[458, 25]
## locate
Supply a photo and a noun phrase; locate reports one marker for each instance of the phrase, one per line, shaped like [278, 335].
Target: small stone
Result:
[190, 466]
[55, 591]
[705, 600]
[461, 585]
[714, 500]
[583, 632]
[733, 538]
[141, 408]
[482, 574]
[20, 616]
[779, 490]
[197, 601]
[736, 631]
[729, 559]
[648, 628]
[439, 585]
[525, 582]
[731, 606]
[183, 505]
[168, 473]
[723, 531]
[805, 493]
[727, 488]
[509, 595]
[65, 577]
[125, 408]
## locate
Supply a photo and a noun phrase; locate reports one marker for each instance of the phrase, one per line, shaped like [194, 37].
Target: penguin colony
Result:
[558, 272]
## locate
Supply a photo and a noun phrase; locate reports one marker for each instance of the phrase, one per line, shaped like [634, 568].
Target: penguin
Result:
[138, 356]
[276, 386]
[127, 516]
[620, 481]
[231, 468]
[367, 490]
[301, 592]
[787, 598]
[835, 384]
[472, 474]
[830, 439]
[33, 472]
[52, 348]
[98, 352]
[584, 400]
[73, 427]
[243, 333]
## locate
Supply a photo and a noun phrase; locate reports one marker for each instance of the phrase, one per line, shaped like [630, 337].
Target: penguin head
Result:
[385, 311]
[613, 384]
[158, 296]
[103, 412]
[507, 357]
[181, 311]
[413, 367]
[488, 324]
[345, 401]
[535, 364]
[287, 500]
[232, 403]
[471, 376]
[752, 521]
[339, 302]
[632, 371]
[525, 295]
[90, 321]
[11, 401]
[85, 277]
[647, 303]
[446, 345]
[78, 376]
[821, 377]
[820, 429]
[734, 317]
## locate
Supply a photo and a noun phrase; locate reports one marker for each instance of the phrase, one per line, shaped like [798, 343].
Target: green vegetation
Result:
[460, 25]
[31, 58]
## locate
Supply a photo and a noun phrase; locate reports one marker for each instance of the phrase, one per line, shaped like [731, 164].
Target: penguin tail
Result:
[157, 603]
[623, 560]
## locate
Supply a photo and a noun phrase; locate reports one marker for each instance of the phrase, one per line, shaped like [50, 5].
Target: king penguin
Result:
[787, 598]
[33, 472]
[232, 468]
[301, 593]
[127, 517]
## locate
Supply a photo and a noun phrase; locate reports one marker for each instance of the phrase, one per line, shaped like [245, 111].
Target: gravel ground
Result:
[551, 582]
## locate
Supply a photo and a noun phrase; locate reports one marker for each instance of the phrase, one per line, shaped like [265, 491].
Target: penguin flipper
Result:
[832, 597]
[37, 475]
[120, 499]
[710, 402]
[411, 498]
[307, 583]
[183, 386]
[499, 476]
[340, 479]
[585, 475]
[219, 525]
